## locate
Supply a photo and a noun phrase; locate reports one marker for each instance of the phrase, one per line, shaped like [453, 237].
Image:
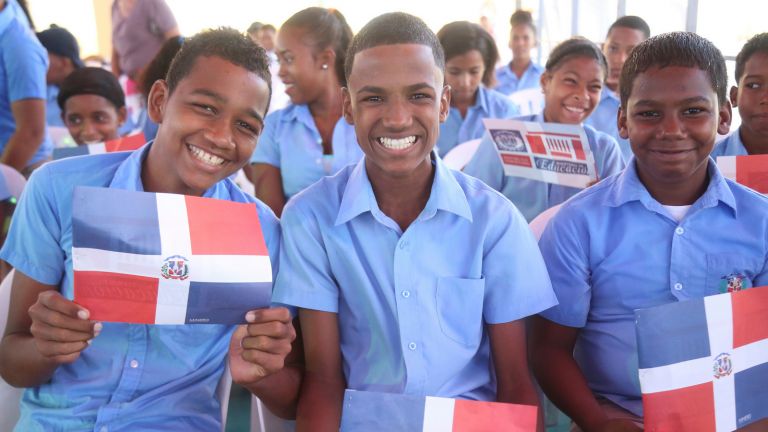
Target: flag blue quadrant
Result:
[214, 303]
[751, 394]
[111, 225]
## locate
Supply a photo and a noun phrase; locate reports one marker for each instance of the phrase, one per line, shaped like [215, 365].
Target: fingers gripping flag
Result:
[385, 412]
[704, 362]
[155, 258]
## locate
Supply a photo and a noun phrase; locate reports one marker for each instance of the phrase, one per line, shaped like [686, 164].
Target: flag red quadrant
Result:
[167, 259]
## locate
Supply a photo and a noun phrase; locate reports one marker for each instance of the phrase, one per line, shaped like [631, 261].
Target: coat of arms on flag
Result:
[154, 258]
[384, 412]
[704, 362]
[126, 143]
[549, 152]
[750, 171]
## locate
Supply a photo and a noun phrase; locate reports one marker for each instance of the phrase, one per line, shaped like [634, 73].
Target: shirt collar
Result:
[446, 194]
[128, 174]
[299, 113]
[481, 102]
[628, 187]
[735, 146]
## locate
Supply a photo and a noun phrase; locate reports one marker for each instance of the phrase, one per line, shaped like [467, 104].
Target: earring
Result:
[325, 66]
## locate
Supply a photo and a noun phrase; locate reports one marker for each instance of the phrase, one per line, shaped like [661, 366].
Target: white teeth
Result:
[204, 156]
[575, 109]
[397, 143]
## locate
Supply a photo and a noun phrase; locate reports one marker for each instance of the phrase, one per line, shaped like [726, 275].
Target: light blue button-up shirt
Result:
[290, 141]
[614, 249]
[23, 64]
[132, 377]
[507, 82]
[488, 104]
[732, 145]
[52, 110]
[532, 197]
[604, 119]
[412, 306]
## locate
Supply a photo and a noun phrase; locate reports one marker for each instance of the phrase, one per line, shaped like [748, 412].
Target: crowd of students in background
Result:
[393, 272]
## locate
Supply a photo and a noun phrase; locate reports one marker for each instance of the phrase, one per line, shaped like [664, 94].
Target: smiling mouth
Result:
[205, 157]
[575, 110]
[397, 143]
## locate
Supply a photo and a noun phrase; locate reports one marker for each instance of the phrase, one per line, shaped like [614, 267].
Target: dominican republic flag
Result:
[750, 171]
[155, 258]
[126, 143]
[385, 412]
[704, 362]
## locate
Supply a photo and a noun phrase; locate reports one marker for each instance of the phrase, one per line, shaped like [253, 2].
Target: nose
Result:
[464, 81]
[671, 127]
[89, 130]
[397, 115]
[219, 133]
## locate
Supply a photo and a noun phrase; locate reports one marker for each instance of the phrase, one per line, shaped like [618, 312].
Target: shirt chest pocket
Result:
[731, 272]
[460, 309]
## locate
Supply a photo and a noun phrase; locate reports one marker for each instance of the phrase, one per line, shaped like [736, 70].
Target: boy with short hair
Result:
[623, 35]
[113, 376]
[409, 277]
[670, 227]
[750, 96]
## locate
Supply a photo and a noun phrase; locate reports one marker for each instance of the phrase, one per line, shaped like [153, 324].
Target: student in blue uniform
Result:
[308, 139]
[470, 55]
[572, 83]
[668, 228]
[409, 277]
[750, 96]
[24, 142]
[623, 35]
[63, 59]
[522, 72]
[92, 105]
[90, 375]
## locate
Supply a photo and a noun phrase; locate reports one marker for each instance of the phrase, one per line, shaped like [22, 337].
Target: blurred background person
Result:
[522, 72]
[63, 59]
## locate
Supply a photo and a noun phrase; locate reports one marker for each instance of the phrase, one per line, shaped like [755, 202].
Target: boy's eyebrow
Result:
[695, 99]
[412, 87]
[752, 76]
[221, 99]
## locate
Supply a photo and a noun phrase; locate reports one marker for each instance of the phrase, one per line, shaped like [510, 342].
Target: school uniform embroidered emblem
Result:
[175, 267]
[723, 366]
[732, 283]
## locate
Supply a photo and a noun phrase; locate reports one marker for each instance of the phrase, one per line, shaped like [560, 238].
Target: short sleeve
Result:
[162, 16]
[516, 280]
[485, 165]
[33, 245]
[268, 148]
[25, 64]
[305, 278]
[563, 248]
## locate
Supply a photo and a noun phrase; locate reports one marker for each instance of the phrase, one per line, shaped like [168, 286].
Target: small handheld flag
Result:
[704, 362]
[750, 171]
[126, 143]
[154, 258]
[384, 412]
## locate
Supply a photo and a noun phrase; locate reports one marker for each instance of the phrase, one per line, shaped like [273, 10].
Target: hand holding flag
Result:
[259, 348]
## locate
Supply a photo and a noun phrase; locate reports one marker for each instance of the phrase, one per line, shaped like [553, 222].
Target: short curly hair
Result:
[226, 43]
[758, 43]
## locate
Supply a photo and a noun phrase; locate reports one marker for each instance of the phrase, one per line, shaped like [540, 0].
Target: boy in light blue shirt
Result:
[522, 72]
[409, 277]
[750, 96]
[87, 375]
[668, 228]
[623, 35]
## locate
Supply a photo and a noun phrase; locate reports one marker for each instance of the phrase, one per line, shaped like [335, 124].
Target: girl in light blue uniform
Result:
[470, 54]
[572, 84]
[308, 139]
[522, 72]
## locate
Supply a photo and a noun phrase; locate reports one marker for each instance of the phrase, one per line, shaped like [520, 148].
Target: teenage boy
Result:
[409, 277]
[750, 96]
[90, 375]
[670, 227]
[623, 35]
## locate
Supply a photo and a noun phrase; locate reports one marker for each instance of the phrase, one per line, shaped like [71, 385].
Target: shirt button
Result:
[412, 346]
[679, 230]
[134, 364]
[678, 286]
[403, 245]
[406, 293]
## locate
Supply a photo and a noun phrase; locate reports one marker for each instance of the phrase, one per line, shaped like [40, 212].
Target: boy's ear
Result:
[724, 119]
[158, 96]
[621, 121]
[445, 103]
[122, 116]
[734, 96]
[346, 106]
